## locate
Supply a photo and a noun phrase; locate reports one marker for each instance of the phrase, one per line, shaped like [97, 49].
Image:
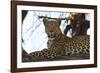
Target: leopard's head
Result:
[52, 27]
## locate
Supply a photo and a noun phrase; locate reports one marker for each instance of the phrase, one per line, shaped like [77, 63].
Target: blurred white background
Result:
[5, 36]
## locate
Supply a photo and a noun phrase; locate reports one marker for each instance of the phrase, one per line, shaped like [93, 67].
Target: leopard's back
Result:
[78, 45]
[71, 46]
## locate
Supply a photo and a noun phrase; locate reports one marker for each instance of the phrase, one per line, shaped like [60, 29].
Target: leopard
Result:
[60, 45]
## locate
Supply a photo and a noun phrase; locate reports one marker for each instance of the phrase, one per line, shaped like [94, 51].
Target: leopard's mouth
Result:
[51, 38]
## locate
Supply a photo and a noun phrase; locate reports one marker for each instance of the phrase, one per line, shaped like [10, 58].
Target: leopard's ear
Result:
[45, 20]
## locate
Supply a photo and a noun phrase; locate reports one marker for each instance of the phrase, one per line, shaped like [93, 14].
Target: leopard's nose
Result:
[51, 35]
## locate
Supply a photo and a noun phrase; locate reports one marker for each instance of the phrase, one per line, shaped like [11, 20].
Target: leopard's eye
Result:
[49, 36]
